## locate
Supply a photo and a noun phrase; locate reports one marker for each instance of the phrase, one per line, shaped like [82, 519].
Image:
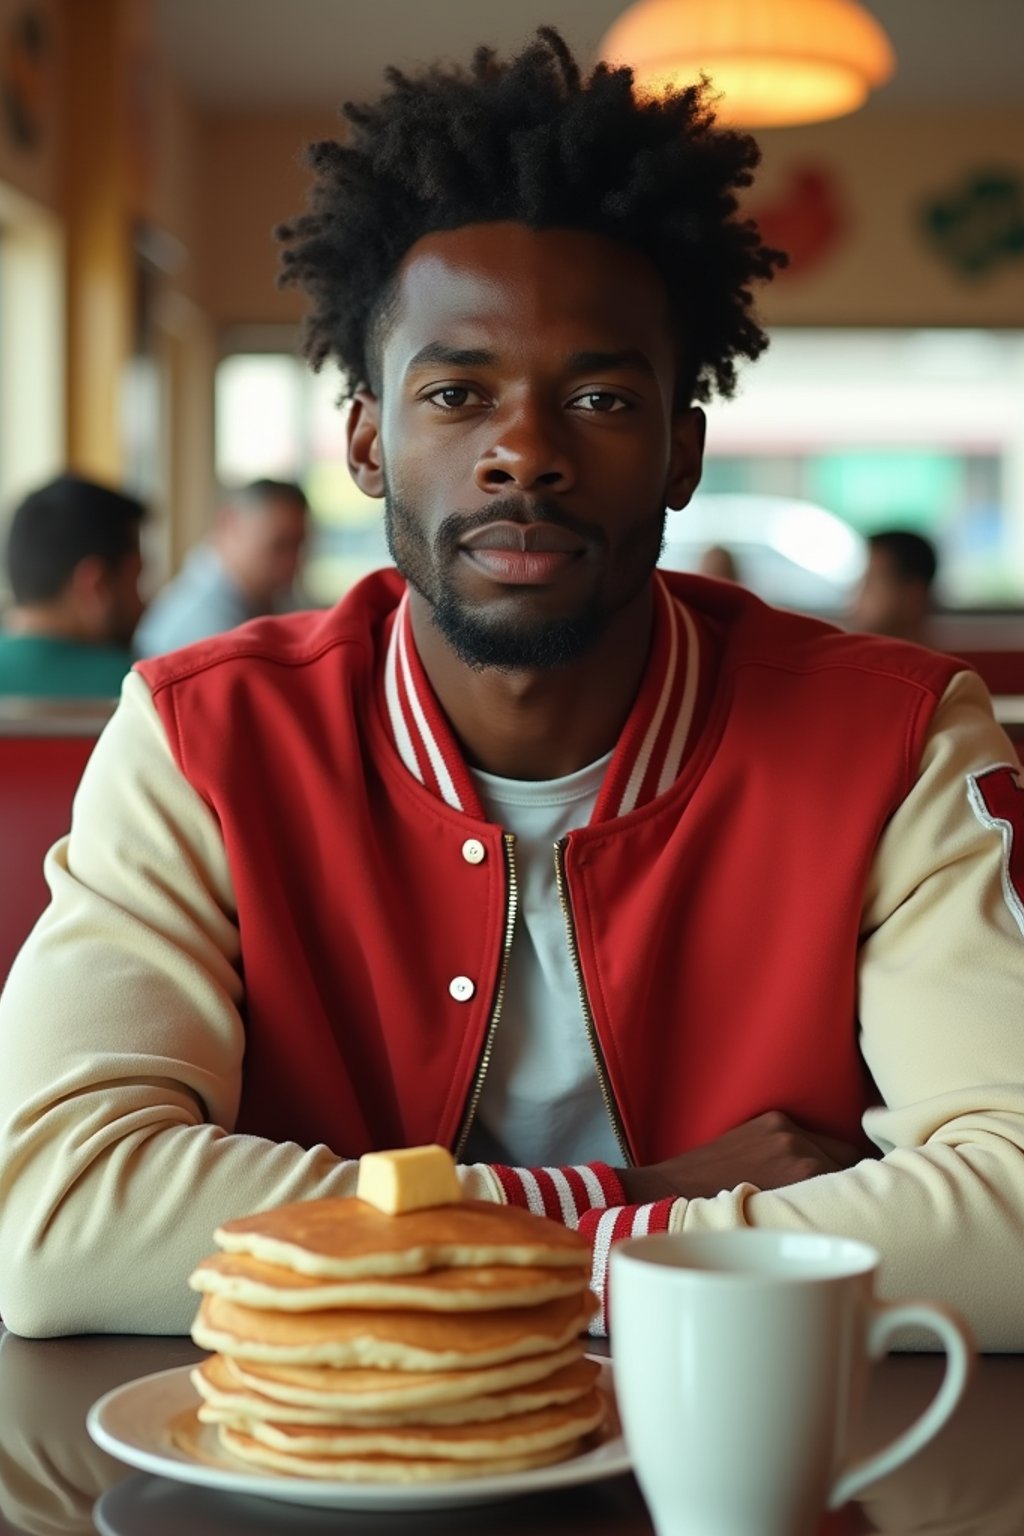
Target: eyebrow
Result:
[610, 362]
[451, 357]
[436, 353]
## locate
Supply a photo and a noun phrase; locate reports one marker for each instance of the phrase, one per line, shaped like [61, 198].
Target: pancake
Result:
[409, 1341]
[407, 1337]
[227, 1400]
[349, 1239]
[363, 1391]
[381, 1469]
[255, 1283]
[517, 1435]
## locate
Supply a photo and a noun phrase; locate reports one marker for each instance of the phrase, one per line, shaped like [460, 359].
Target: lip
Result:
[523, 539]
[523, 567]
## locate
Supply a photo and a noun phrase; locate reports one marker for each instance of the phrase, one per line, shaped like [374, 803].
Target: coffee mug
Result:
[740, 1362]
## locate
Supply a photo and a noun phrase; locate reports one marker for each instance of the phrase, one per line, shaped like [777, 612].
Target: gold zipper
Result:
[588, 1017]
[512, 906]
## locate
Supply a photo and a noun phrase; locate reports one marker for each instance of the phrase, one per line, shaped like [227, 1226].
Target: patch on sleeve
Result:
[997, 799]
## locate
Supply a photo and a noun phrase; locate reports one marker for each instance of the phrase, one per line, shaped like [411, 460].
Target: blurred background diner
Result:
[148, 147]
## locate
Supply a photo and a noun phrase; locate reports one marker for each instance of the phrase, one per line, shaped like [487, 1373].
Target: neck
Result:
[50, 621]
[544, 724]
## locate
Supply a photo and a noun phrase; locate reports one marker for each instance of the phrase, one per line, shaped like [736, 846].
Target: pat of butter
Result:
[411, 1179]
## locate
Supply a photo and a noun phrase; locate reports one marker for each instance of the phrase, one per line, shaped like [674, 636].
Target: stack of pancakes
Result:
[358, 1346]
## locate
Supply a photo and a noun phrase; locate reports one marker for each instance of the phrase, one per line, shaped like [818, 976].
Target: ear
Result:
[687, 459]
[365, 460]
[89, 579]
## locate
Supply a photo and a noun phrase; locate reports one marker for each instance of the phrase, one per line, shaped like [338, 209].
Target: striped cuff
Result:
[563, 1194]
[603, 1228]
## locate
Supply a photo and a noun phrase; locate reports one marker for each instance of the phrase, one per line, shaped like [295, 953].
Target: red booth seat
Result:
[1002, 672]
[39, 773]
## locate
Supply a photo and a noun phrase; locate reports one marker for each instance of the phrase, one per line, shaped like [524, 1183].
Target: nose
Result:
[527, 453]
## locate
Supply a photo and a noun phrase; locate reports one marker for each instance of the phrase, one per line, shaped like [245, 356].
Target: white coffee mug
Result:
[740, 1361]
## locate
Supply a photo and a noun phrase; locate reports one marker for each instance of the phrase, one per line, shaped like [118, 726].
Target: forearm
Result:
[948, 1219]
[118, 1198]
[105, 1243]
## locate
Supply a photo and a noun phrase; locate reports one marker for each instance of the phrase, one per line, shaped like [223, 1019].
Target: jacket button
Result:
[473, 851]
[461, 988]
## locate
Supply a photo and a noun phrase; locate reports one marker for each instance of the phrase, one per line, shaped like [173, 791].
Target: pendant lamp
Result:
[774, 62]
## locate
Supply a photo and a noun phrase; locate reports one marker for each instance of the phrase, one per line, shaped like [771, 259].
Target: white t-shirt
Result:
[541, 1104]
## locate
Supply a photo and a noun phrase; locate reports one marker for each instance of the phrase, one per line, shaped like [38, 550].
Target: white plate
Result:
[131, 1422]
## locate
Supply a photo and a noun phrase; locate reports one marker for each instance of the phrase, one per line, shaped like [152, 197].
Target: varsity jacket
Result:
[315, 928]
[712, 907]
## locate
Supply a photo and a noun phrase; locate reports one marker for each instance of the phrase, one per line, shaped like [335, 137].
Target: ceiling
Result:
[271, 56]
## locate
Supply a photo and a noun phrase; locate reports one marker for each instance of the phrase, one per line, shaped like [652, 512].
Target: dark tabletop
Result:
[53, 1480]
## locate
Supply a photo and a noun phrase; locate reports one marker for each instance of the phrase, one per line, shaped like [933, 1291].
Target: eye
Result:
[600, 402]
[451, 397]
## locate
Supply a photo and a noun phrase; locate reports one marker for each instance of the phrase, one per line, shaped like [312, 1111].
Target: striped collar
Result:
[650, 751]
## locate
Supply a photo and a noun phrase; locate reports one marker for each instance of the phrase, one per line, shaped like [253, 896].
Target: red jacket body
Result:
[716, 921]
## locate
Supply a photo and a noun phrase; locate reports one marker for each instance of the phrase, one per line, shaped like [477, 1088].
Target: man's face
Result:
[262, 545]
[525, 437]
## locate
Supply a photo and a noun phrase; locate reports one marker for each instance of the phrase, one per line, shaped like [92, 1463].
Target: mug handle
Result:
[887, 1319]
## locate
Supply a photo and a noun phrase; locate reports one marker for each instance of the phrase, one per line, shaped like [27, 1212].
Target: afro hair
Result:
[535, 142]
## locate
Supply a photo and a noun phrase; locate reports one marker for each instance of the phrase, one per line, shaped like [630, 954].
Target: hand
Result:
[769, 1151]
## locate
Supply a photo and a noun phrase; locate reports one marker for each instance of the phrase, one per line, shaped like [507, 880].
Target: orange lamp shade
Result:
[774, 62]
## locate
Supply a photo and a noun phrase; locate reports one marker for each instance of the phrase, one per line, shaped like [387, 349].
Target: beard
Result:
[488, 640]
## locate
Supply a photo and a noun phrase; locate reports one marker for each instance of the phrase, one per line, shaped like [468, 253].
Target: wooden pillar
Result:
[99, 233]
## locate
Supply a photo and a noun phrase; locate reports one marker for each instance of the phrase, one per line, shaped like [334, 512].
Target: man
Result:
[73, 565]
[247, 568]
[660, 907]
[895, 596]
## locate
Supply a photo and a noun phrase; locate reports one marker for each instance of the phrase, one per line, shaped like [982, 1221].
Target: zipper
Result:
[511, 908]
[588, 1017]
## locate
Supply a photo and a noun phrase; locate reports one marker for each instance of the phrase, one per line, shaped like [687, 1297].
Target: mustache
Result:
[520, 510]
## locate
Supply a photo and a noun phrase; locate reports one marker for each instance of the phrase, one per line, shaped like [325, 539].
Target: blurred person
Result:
[896, 593]
[660, 907]
[248, 567]
[73, 565]
[719, 563]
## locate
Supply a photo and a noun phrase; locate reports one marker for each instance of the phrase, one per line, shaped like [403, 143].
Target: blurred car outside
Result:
[791, 553]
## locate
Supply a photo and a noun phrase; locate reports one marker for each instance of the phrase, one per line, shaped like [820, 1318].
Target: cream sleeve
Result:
[942, 1031]
[122, 1042]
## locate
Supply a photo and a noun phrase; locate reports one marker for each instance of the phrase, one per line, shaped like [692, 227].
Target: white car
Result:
[792, 553]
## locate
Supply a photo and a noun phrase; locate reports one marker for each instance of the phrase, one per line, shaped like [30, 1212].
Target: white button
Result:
[473, 851]
[461, 988]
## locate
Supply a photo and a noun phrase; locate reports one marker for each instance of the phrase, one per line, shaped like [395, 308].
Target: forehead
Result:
[505, 280]
[271, 510]
[287, 507]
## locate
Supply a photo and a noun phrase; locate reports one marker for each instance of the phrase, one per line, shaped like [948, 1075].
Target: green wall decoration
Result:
[979, 224]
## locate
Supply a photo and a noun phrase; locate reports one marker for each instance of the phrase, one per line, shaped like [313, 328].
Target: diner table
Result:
[55, 1482]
